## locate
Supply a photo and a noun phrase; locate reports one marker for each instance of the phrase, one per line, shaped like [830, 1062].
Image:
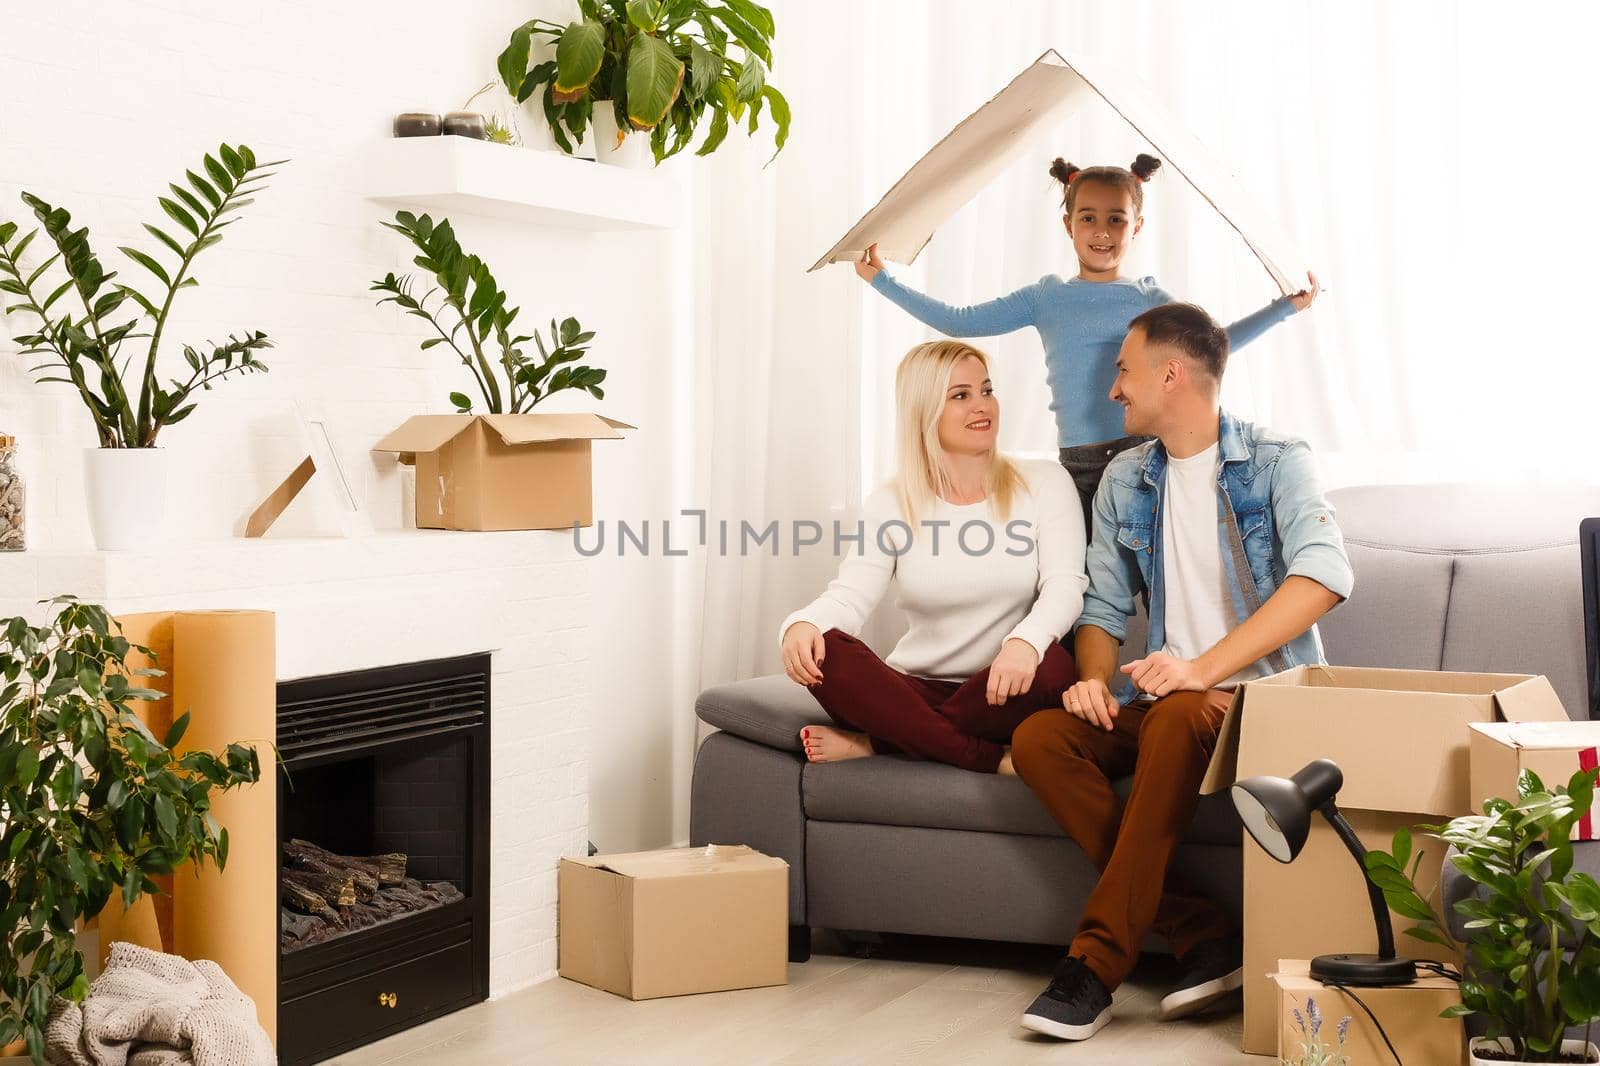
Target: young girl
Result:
[1083, 319]
[986, 558]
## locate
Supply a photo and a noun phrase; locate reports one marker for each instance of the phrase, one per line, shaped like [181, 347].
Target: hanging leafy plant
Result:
[91, 802]
[466, 306]
[661, 65]
[83, 347]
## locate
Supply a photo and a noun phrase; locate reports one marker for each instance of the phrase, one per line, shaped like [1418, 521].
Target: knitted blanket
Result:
[151, 1009]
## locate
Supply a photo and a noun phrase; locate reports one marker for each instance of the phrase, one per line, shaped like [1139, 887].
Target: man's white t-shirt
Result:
[1198, 610]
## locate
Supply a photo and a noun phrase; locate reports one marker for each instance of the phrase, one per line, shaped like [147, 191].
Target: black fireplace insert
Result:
[383, 864]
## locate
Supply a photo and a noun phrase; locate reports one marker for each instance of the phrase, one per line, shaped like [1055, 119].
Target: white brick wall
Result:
[398, 597]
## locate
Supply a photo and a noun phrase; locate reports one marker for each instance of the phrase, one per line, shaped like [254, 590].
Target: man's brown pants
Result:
[1070, 764]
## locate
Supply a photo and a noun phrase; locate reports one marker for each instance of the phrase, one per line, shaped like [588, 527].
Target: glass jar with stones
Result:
[12, 522]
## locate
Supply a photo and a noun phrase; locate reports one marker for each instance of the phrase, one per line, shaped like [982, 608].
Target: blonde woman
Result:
[986, 556]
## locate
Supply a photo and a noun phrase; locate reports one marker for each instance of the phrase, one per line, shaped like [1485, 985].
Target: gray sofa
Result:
[1447, 577]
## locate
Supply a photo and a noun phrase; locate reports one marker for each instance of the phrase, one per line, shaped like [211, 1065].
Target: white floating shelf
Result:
[459, 175]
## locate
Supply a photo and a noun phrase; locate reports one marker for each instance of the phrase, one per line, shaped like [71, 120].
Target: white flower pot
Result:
[127, 496]
[1570, 1047]
[633, 152]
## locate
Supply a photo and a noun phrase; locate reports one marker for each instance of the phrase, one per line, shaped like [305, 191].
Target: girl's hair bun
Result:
[1064, 171]
[1144, 166]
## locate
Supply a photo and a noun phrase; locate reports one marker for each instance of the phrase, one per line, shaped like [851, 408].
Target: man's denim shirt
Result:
[1285, 522]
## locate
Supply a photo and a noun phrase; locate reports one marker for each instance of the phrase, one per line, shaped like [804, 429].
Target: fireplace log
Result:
[337, 888]
[301, 898]
[303, 855]
[391, 868]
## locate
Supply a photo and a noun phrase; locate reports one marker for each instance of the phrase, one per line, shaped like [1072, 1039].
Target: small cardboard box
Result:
[676, 921]
[1409, 1015]
[1401, 739]
[489, 472]
[1553, 750]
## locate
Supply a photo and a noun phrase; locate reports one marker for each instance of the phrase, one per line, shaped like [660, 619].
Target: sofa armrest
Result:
[767, 710]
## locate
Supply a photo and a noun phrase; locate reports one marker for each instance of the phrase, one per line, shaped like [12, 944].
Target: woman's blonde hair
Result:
[923, 477]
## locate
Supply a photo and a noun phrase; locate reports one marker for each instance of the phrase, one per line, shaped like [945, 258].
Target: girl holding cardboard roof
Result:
[986, 558]
[1082, 320]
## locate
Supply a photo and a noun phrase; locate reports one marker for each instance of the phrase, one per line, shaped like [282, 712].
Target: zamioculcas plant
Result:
[91, 802]
[87, 341]
[660, 65]
[470, 315]
[1529, 901]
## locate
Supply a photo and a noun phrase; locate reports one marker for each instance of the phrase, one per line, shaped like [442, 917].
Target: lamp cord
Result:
[1449, 973]
[1342, 987]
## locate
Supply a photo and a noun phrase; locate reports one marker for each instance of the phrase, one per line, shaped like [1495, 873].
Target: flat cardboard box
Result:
[492, 472]
[1409, 1015]
[1000, 132]
[675, 922]
[1401, 739]
[1553, 750]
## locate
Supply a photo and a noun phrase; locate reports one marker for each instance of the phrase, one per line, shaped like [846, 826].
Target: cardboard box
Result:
[1553, 750]
[487, 472]
[1401, 739]
[1409, 1015]
[677, 921]
[1011, 125]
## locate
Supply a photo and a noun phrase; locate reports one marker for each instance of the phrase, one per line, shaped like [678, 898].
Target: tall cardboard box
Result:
[1553, 750]
[491, 472]
[1401, 739]
[676, 921]
[1409, 1015]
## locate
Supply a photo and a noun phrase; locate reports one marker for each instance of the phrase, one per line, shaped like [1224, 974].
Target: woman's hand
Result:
[1011, 673]
[869, 264]
[1301, 300]
[803, 649]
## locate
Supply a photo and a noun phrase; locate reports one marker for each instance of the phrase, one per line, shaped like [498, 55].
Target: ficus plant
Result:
[82, 324]
[467, 309]
[1532, 927]
[662, 66]
[92, 803]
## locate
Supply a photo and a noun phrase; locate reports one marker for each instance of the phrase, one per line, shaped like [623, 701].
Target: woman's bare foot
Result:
[1005, 766]
[827, 744]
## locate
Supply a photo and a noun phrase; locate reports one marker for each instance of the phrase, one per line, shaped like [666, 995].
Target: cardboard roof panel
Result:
[997, 134]
[682, 862]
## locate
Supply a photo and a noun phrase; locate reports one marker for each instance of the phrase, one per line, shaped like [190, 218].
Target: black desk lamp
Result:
[1277, 811]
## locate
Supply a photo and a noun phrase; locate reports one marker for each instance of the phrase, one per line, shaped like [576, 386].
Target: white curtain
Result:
[1421, 155]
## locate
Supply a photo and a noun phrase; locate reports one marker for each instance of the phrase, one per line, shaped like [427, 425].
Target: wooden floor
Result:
[897, 1000]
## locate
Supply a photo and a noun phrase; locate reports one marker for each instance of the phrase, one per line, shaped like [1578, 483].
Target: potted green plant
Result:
[1532, 942]
[91, 328]
[91, 802]
[1314, 1051]
[656, 66]
[467, 309]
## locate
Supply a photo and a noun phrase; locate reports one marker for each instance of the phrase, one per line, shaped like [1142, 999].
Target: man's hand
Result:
[803, 648]
[1092, 701]
[869, 264]
[1160, 674]
[1011, 673]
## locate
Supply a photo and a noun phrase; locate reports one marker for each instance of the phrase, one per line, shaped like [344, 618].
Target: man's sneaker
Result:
[1075, 1006]
[1207, 973]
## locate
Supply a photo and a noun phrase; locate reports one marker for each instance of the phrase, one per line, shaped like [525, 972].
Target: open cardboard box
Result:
[1401, 738]
[675, 921]
[488, 472]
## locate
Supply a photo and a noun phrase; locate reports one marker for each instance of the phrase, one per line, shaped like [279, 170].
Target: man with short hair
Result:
[1222, 526]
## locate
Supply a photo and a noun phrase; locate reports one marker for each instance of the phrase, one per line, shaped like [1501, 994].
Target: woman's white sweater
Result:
[966, 580]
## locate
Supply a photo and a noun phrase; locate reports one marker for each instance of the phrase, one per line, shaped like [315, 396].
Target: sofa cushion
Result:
[889, 790]
[768, 710]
